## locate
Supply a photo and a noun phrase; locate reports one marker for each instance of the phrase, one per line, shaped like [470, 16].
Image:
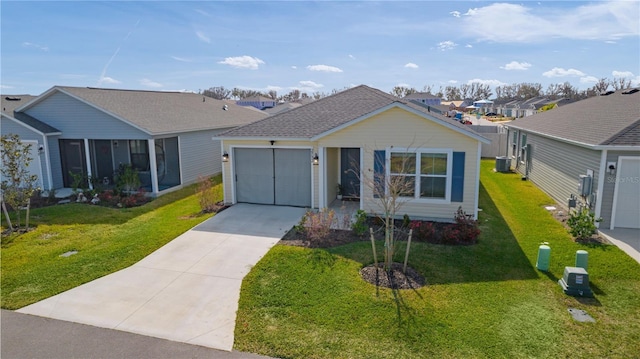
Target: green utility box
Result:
[575, 282]
[544, 254]
[582, 259]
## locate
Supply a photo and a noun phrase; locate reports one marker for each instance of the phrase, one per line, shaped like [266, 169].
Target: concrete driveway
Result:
[186, 291]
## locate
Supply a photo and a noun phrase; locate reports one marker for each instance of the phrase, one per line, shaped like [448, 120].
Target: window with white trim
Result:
[421, 174]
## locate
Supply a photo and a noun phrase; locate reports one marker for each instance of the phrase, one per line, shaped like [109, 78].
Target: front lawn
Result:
[106, 239]
[485, 300]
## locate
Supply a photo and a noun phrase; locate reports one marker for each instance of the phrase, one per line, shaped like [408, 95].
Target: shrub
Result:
[317, 225]
[127, 179]
[582, 223]
[422, 230]
[464, 231]
[360, 227]
[209, 194]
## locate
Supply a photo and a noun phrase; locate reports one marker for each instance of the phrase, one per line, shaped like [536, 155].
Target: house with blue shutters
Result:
[362, 139]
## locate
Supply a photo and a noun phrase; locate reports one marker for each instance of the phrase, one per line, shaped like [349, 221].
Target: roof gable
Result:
[331, 113]
[601, 120]
[158, 112]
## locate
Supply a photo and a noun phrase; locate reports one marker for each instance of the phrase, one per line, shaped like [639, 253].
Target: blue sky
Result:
[314, 46]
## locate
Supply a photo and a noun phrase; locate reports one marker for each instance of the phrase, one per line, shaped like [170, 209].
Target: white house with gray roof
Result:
[598, 138]
[298, 157]
[168, 137]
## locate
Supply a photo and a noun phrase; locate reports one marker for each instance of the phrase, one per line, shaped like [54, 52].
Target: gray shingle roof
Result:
[12, 102]
[328, 113]
[602, 120]
[165, 112]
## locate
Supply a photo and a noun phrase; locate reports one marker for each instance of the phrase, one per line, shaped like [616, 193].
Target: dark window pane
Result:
[433, 163]
[403, 163]
[403, 186]
[139, 155]
[433, 187]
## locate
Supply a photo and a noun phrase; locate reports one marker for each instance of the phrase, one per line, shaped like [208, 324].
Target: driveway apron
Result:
[186, 291]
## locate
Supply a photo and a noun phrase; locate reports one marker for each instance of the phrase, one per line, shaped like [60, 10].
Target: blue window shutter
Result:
[457, 177]
[379, 158]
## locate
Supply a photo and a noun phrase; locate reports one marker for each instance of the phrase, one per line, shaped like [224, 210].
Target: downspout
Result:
[47, 162]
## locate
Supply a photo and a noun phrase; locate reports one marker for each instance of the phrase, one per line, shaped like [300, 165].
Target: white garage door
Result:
[273, 176]
[627, 193]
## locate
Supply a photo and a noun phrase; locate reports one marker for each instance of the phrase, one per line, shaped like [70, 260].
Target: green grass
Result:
[486, 300]
[107, 240]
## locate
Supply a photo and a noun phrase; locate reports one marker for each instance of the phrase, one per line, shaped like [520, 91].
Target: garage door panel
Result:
[293, 177]
[627, 211]
[254, 175]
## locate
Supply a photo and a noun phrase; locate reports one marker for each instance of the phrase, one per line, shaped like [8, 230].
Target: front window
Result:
[139, 155]
[423, 174]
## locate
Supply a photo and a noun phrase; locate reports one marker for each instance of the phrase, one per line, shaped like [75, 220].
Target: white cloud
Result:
[108, 80]
[310, 85]
[323, 68]
[446, 45]
[508, 22]
[452, 81]
[515, 65]
[149, 83]
[487, 82]
[455, 13]
[560, 72]
[468, 46]
[202, 12]
[181, 59]
[243, 62]
[35, 46]
[352, 57]
[588, 80]
[294, 67]
[202, 36]
[403, 85]
[622, 73]
[5, 87]
[411, 65]
[273, 88]
[610, 42]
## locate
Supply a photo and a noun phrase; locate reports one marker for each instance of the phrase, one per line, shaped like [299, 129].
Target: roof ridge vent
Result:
[607, 93]
[629, 92]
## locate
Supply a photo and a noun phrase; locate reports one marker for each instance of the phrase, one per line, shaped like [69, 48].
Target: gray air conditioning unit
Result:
[503, 164]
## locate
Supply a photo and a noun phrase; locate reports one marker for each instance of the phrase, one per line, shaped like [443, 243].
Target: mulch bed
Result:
[562, 215]
[394, 279]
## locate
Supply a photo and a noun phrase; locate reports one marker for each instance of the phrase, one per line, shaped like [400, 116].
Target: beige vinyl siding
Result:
[333, 174]
[556, 166]
[401, 129]
[609, 187]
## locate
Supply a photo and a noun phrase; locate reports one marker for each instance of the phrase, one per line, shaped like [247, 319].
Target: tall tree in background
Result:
[621, 83]
[402, 91]
[218, 92]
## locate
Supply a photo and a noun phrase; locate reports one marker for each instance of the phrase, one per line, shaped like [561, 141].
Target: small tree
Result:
[388, 190]
[18, 185]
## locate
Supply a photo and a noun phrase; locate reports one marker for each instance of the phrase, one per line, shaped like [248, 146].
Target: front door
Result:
[350, 172]
[73, 161]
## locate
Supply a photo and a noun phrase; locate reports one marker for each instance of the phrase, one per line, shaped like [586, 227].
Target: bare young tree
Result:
[18, 185]
[621, 83]
[388, 191]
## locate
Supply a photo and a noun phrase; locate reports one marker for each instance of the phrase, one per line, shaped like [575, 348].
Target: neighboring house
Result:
[424, 98]
[298, 157]
[30, 131]
[259, 102]
[168, 137]
[282, 107]
[598, 138]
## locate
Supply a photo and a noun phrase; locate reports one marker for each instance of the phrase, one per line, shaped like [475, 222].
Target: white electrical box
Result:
[584, 185]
